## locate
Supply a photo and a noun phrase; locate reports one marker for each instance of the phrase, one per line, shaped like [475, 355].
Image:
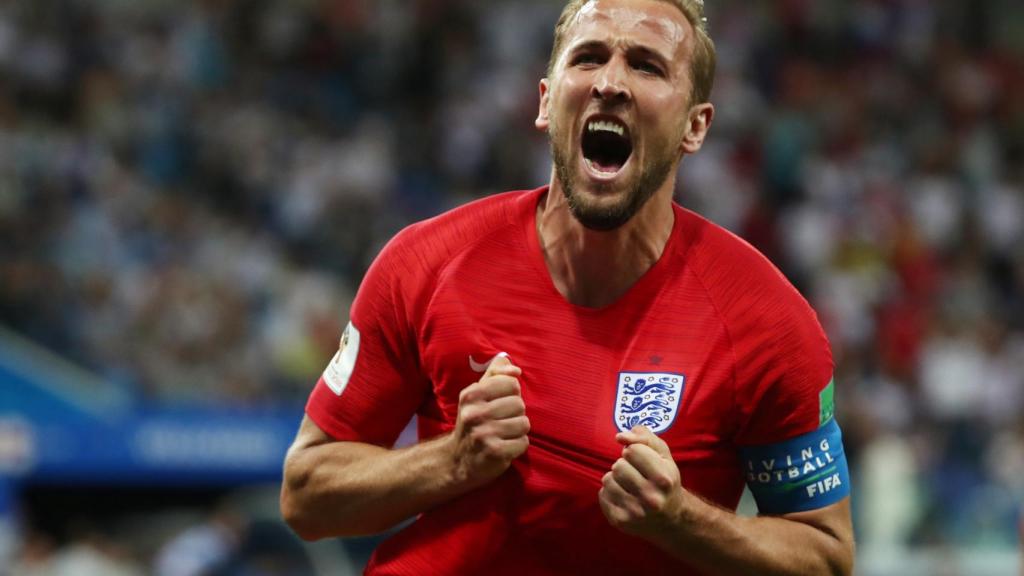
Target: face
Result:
[616, 107]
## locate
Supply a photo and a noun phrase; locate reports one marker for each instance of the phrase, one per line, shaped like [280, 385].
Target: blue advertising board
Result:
[52, 429]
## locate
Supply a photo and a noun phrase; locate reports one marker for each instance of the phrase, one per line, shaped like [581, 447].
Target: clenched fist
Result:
[491, 427]
[643, 493]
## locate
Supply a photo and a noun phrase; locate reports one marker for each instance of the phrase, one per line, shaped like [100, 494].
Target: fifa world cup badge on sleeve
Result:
[339, 371]
[802, 473]
[648, 399]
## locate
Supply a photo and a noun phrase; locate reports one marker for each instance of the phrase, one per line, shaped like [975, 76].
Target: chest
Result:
[661, 361]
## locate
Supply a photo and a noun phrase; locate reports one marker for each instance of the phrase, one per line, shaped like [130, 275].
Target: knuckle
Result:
[492, 445]
[620, 520]
[619, 467]
[472, 416]
[493, 385]
[497, 384]
[511, 386]
[651, 500]
[519, 404]
[525, 424]
[470, 393]
[522, 445]
[479, 436]
[662, 481]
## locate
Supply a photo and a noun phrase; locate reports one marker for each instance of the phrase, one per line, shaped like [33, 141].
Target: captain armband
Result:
[799, 474]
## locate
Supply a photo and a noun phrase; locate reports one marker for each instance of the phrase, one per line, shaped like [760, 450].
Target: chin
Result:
[605, 204]
[598, 208]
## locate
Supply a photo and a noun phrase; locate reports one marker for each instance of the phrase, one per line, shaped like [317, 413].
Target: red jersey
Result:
[712, 348]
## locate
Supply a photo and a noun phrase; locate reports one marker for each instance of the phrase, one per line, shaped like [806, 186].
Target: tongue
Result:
[606, 166]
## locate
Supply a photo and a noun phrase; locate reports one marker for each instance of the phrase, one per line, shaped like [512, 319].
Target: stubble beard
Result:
[600, 216]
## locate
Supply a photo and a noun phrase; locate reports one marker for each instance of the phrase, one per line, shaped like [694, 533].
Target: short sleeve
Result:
[373, 385]
[789, 442]
[784, 362]
[783, 428]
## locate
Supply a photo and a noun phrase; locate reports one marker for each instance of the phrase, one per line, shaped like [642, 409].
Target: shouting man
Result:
[596, 371]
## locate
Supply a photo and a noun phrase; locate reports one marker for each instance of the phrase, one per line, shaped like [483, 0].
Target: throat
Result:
[591, 287]
[595, 269]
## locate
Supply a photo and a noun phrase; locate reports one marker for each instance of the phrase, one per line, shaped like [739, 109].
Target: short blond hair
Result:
[703, 66]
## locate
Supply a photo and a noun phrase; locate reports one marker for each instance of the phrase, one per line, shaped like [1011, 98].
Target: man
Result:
[596, 371]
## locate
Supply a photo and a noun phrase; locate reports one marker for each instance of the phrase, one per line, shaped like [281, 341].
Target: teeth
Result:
[601, 125]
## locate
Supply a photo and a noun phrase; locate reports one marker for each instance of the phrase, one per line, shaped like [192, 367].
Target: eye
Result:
[648, 67]
[586, 58]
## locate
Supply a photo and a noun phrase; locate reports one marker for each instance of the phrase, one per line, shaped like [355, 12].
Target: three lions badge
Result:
[648, 399]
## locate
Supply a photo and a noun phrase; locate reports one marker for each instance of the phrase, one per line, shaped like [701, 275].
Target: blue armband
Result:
[799, 474]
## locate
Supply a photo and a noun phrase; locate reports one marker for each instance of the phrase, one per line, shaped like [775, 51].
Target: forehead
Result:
[650, 23]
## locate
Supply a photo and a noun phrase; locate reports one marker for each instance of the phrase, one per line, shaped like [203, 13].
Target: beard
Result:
[601, 216]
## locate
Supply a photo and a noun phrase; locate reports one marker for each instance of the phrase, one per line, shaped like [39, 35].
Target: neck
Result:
[594, 268]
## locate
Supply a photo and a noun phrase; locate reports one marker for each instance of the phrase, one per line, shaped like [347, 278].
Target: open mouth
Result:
[606, 145]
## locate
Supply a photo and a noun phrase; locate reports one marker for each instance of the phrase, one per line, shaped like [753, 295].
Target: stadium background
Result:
[190, 192]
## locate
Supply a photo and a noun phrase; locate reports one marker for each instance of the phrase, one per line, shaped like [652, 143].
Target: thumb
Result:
[498, 363]
[644, 435]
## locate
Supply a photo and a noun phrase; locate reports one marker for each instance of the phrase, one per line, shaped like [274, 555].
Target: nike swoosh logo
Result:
[481, 368]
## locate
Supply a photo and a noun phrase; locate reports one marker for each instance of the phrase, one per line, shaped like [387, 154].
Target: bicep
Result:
[296, 464]
[374, 384]
[309, 436]
[314, 448]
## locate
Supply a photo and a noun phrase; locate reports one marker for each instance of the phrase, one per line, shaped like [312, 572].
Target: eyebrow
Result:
[588, 45]
[648, 53]
[631, 48]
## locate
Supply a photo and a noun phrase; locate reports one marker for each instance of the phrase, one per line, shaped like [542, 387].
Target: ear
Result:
[543, 121]
[698, 124]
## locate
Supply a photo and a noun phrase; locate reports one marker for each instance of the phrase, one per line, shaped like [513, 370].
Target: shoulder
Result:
[780, 355]
[736, 275]
[402, 277]
[426, 246]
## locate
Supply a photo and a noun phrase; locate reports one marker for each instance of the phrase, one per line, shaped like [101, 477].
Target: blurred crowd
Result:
[223, 542]
[191, 191]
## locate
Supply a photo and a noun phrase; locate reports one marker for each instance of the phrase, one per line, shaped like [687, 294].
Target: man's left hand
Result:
[643, 494]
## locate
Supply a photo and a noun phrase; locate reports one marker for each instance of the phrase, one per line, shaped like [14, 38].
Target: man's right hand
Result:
[491, 427]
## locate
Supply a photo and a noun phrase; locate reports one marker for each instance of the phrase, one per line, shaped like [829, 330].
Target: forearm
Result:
[334, 488]
[347, 488]
[720, 542]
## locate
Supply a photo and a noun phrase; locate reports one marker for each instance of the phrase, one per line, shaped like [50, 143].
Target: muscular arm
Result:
[334, 488]
[816, 543]
[643, 495]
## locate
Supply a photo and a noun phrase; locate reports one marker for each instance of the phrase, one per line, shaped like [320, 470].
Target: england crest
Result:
[648, 399]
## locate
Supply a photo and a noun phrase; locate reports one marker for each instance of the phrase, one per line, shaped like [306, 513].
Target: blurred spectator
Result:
[95, 555]
[203, 549]
[36, 556]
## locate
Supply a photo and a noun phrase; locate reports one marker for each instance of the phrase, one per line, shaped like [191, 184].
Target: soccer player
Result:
[596, 371]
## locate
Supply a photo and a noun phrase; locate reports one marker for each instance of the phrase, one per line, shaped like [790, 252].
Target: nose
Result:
[610, 84]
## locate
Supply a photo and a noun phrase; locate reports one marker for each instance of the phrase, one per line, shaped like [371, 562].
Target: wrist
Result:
[682, 522]
[458, 472]
[690, 509]
[455, 473]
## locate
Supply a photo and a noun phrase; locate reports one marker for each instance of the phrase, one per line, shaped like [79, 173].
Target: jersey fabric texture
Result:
[734, 355]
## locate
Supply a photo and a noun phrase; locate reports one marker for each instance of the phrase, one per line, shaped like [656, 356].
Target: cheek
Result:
[565, 102]
[573, 87]
[668, 115]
